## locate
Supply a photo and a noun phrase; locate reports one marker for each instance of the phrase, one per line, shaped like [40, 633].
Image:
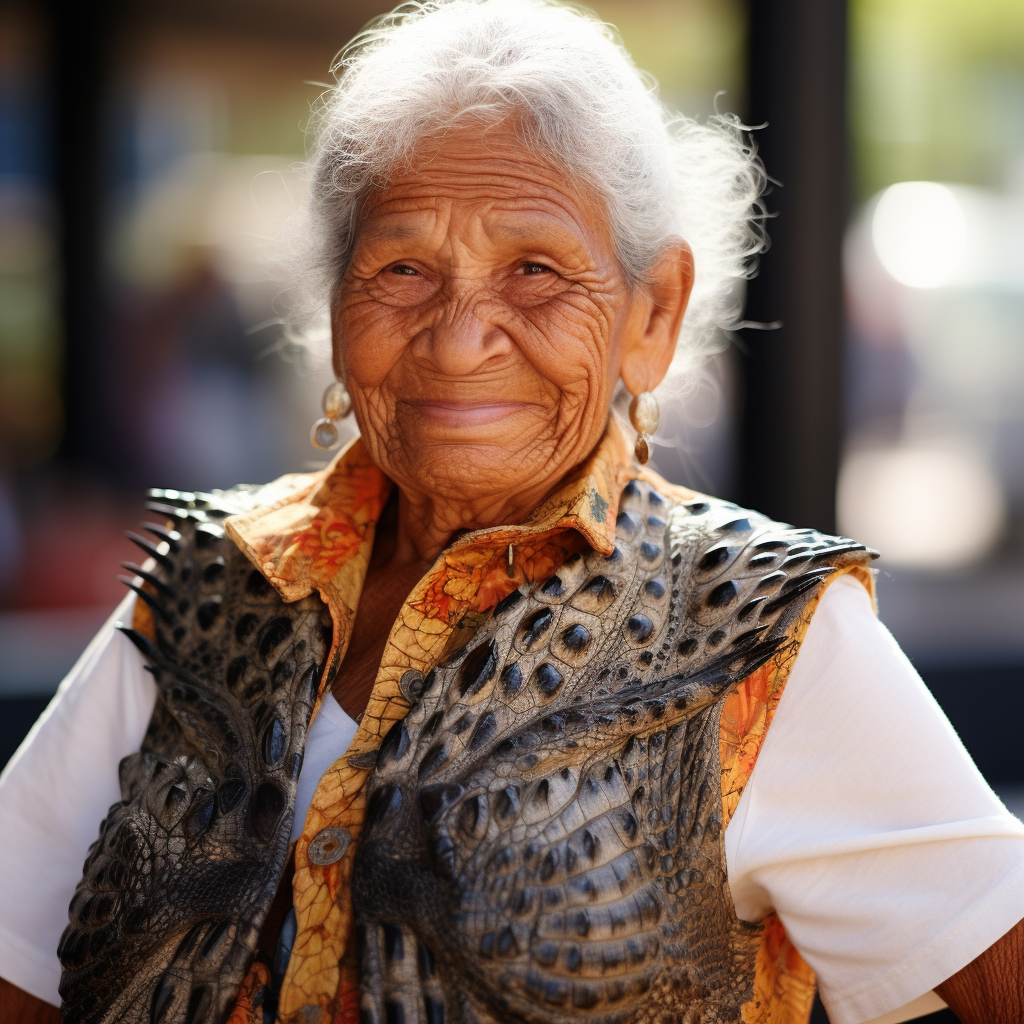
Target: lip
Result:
[466, 414]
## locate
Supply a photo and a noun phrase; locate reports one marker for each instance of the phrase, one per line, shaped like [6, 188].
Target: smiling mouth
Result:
[466, 414]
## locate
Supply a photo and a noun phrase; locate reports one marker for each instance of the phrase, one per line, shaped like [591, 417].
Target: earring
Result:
[644, 415]
[336, 405]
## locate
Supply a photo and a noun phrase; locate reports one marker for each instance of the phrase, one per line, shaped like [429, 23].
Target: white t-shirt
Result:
[865, 825]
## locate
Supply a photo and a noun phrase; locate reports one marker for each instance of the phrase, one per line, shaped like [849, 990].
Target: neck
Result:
[426, 524]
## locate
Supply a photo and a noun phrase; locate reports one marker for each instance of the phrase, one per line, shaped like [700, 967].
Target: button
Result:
[411, 685]
[328, 846]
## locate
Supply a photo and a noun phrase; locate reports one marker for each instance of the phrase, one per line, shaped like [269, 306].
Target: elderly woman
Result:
[563, 669]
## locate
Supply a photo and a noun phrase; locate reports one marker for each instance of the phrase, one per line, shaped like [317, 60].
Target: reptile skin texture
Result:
[543, 838]
[165, 922]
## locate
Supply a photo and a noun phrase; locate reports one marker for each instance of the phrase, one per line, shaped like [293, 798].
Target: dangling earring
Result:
[336, 405]
[644, 415]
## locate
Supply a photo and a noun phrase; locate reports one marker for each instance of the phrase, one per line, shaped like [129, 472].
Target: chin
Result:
[467, 470]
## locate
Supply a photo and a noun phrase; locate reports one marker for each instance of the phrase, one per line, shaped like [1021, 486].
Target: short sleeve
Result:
[866, 826]
[55, 791]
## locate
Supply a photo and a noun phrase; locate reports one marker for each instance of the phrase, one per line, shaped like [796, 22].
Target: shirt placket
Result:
[320, 977]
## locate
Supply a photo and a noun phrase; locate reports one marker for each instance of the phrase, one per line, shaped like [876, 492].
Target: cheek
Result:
[569, 341]
[368, 340]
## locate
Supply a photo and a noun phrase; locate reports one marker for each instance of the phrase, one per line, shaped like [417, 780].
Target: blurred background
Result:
[148, 158]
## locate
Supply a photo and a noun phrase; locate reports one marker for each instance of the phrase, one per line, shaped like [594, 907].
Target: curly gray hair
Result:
[428, 66]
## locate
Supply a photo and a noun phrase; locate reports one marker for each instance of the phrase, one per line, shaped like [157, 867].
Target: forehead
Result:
[493, 176]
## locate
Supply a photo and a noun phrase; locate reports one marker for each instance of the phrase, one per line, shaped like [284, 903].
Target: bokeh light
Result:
[927, 506]
[919, 233]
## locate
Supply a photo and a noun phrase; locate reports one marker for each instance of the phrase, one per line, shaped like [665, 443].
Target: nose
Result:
[464, 335]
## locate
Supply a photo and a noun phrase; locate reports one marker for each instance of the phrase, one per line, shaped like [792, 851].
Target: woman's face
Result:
[483, 322]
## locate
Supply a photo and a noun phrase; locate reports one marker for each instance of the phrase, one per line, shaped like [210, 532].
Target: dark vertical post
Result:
[791, 410]
[79, 53]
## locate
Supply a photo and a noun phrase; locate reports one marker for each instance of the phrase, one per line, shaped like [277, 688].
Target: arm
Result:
[53, 794]
[18, 1007]
[990, 989]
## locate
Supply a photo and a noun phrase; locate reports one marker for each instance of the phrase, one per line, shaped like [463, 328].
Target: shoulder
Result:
[742, 584]
[739, 540]
[223, 502]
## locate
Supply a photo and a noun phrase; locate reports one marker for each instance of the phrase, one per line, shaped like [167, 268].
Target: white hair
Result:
[578, 98]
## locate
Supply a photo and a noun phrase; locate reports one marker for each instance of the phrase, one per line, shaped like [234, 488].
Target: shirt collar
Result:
[314, 531]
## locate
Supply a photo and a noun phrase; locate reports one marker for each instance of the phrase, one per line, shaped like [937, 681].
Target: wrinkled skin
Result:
[482, 327]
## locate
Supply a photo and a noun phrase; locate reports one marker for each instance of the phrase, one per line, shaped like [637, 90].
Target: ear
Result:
[648, 348]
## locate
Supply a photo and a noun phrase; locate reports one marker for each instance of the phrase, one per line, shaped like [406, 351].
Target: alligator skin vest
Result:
[543, 838]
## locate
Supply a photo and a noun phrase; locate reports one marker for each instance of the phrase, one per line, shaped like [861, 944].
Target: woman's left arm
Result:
[870, 832]
[990, 989]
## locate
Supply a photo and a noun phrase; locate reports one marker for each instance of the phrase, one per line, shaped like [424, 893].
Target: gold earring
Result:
[336, 405]
[644, 415]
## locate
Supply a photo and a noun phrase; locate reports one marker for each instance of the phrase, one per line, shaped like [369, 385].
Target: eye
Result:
[528, 269]
[403, 268]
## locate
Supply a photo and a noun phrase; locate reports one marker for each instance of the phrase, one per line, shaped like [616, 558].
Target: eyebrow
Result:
[518, 231]
[391, 231]
[518, 234]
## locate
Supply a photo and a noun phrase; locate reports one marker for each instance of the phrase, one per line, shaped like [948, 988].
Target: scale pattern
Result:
[166, 919]
[543, 835]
